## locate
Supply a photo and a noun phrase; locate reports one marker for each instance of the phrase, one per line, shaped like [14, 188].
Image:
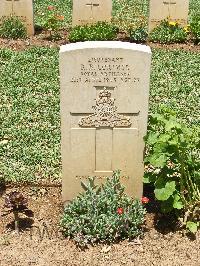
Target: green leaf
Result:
[172, 124]
[177, 202]
[152, 138]
[192, 226]
[149, 178]
[158, 159]
[167, 206]
[164, 189]
[164, 138]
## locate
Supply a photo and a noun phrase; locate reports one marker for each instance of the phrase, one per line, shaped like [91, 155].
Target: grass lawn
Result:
[29, 106]
[125, 12]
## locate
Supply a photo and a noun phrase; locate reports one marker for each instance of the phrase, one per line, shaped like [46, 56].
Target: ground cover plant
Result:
[30, 150]
[126, 13]
[29, 115]
[102, 214]
[168, 32]
[12, 28]
[101, 31]
[195, 27]
[29, 110]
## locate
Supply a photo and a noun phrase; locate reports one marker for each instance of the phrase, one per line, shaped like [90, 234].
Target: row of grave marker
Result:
[91, 11]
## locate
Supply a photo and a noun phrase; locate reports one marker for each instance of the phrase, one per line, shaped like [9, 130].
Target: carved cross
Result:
[12, 4]
[92, 6]
[104, 119]
[169, 5]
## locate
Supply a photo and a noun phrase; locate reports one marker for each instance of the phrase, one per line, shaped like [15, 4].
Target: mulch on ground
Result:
[40, 241]
[42, 40]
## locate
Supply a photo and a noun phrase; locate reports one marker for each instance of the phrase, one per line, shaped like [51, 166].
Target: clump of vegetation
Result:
[195, 27]
[168, 32]
[103, 214]
[138, 35]
[101, 31]
[173, 167]
[16, 203]
[12, 28]
[52, 22]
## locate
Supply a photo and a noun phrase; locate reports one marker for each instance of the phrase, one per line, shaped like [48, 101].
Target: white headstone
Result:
[174, 10]
[104, 109]
[91, 11]
[23, 9]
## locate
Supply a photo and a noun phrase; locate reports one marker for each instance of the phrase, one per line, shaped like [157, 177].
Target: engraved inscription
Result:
[104, 70]
[105, 113]
[100, 177]
[169, 3]
[92, 5]
[180, 21]
[12, 13]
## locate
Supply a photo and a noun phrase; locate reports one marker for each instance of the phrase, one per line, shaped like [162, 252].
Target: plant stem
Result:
[16, 217]
[184, 176]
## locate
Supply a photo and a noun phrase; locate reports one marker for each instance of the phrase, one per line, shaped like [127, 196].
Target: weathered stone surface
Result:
[175, 10]
[104, 109]
[91, 11]
[23, 9]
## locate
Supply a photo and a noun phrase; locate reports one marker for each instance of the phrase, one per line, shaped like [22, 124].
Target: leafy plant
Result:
[102, 214]
[195, 27]
[52, 22]
[101, 31]
[173, 167]
[13, 28]
[16, 203]
[168, 32]
[138, 35]
[130, 12]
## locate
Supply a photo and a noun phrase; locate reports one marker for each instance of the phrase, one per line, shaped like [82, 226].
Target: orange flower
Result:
[50, 7]
[60, 17]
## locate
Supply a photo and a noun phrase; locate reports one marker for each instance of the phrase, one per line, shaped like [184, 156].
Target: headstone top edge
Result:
[105, 44]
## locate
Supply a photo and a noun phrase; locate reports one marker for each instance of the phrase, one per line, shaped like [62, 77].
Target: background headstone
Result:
[23, 9]
[104, 109]
[91, 11]
[175, 10]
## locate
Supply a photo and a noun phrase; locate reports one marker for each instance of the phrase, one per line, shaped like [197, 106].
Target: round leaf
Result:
[164, 190]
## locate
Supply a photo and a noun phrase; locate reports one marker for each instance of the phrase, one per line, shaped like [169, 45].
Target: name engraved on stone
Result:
[105, 113]
[104, 70]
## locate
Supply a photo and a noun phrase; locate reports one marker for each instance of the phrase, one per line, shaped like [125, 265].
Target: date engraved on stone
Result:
[105, 113]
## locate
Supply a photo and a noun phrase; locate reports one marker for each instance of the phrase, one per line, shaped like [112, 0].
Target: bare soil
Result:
[41, 39]
[40, 241]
